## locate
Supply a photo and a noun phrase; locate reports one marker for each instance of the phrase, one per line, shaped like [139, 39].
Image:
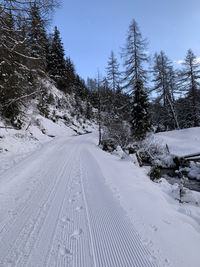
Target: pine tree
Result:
[37, 37]
[134, 55]
[113, 74]
[141, 120]
[189, 84]
[70, 74]
[57, 67]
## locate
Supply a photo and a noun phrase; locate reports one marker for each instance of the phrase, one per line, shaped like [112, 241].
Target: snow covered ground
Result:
[57, 211]
[18, 144]
[68, 203]
[170, 230]
[181, 142]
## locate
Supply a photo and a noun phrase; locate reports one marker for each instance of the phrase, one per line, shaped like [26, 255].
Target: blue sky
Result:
[90, 29]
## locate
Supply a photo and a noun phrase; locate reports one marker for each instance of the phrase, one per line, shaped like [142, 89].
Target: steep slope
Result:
[50, 114]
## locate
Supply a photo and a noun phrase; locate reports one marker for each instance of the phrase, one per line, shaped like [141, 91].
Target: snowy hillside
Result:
[41, 126]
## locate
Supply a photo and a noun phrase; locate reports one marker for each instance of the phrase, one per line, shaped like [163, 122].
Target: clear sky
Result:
[90, 29]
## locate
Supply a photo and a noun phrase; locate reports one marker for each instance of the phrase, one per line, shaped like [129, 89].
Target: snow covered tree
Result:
[141, 119]
[17, 80]
[165, 85]
[15, 77]
[189, 85]
[113, 74]
[57, 67]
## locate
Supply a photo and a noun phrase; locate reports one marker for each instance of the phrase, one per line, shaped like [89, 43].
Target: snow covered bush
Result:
[115, 134]
[193, 171]
[153, 152]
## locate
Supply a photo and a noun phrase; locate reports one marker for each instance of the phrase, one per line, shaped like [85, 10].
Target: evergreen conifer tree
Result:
[141, 120]
[57, 67]
[135, 56]
[70, 75]
[113, 74]
[37, 37]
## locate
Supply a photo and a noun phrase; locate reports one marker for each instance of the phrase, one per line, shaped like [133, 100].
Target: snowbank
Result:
[181, 142]
[169, 229]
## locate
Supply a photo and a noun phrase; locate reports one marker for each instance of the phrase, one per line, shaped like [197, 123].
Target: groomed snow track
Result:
[58, 211]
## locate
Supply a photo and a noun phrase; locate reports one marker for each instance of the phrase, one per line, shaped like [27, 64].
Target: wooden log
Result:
[194, 159]
[191, 155]
[3, 127]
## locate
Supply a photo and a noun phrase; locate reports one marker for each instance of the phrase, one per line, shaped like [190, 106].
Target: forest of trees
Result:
[28, 52]
[149, 93]
[131, 102]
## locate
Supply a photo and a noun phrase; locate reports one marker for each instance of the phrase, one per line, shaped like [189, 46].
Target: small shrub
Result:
[155, 173]
[131, 150]
[108, 145]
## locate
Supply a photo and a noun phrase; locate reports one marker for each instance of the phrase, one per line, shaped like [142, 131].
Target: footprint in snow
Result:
[153, 259]
[65, 220]
[77, 233]
[79, 208]
[167, 222]
[63, 251]
[167, 262]
[154, 227]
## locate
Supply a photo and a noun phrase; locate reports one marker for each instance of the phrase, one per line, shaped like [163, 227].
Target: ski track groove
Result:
[125, 248]
[32, 200]
[10, 219]
[57, 225]
[87, 215]
[45, 233]
[79, 246]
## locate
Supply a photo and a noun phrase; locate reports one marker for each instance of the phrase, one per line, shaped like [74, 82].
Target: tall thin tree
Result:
[135, 77]
[189, 84]
[165, 86]
[134, 55]
[113, 74]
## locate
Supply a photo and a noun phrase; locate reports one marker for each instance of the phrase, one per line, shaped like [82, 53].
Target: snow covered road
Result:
[56, 210]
